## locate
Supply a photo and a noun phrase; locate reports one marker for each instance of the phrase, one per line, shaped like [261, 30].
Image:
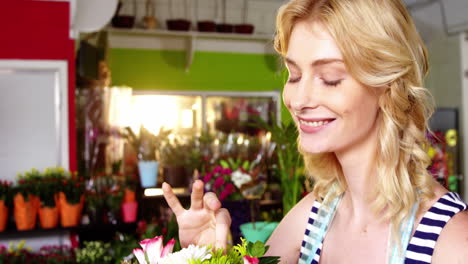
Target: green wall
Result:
[210, 71]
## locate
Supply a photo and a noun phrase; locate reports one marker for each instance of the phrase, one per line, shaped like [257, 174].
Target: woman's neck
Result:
[358, 164]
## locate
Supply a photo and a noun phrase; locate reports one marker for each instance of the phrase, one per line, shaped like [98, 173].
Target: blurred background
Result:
[102, 101]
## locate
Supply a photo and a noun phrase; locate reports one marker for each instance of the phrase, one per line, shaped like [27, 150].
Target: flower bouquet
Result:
[154, 252]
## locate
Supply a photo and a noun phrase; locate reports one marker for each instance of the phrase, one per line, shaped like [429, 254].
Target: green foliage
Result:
[6, 193]
[220, 257]
[288, 164]
[237, 163]
[94, 252]
[123, 246]
[256, 249]
[49, 186]
[174, 154]
[73, 188]
[28, 183]
[146, 144]
[242, 247]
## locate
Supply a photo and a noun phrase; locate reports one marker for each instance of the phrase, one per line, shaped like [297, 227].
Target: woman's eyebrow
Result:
[316, 63]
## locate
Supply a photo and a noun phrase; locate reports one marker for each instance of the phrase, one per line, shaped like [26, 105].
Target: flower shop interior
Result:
[103, 101]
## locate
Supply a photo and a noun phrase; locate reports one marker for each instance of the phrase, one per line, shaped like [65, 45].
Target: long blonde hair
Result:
[380, 48]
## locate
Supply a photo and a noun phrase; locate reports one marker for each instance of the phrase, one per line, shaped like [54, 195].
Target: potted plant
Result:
[48, 189]
[71, 199]
[5, 203]
[129, 203]
[174, 160]
[146, 146]
[95, 207]
[113, 204]
[26, 200]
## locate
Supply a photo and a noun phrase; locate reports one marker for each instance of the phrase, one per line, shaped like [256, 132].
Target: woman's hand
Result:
[205, 223]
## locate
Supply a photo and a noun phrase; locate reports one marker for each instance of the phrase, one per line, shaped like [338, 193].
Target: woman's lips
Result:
[314, 125]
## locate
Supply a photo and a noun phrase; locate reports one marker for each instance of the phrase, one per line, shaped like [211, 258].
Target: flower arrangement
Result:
[73, 187]
[55, 254]
[219, 181]
[153, 251]
[235, 179]
[49, 186]
[28, 183]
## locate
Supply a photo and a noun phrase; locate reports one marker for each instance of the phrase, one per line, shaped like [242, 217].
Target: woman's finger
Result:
[197, 195]
[172, 200]
[223, 223]
[211, 201]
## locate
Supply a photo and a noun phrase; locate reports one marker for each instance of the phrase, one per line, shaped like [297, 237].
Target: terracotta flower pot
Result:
[206, 26]
[225, 28]
[129, 196]
[48, 217]
[25, 212]
[70, 214]
[178, 24]
[244, 28]
[3, 215]
[129, 212]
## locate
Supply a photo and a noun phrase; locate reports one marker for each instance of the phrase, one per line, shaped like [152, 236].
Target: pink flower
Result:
[153, 250]
[218, 182]
[226, 171]
[250, 260]
[218, 169]
[223, 195]
[230, 188]
[207, 177]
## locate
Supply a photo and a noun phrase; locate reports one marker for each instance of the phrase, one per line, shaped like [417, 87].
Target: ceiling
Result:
[436, 18]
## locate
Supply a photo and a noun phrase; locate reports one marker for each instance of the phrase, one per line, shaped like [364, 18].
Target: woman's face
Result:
[331, 109]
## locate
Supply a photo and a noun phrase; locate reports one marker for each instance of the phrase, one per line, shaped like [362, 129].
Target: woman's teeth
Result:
[314, 123]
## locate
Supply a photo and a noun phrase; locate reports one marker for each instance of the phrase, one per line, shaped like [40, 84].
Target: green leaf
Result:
[245, 165]
[256, 249]
[224, 164]
[269, 260]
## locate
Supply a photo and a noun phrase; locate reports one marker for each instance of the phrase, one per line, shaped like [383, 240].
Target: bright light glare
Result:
[154, 112]
[187, 118]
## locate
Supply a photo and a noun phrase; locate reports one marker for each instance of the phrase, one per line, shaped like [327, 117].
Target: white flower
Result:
[186, 254]
[153, 249]
[239, 178]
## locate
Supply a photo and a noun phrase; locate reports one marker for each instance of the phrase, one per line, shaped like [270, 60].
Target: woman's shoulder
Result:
[291, 230]
[452, 244]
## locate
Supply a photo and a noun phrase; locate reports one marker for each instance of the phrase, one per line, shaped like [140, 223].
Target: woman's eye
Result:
[293, 79]
[332, 83]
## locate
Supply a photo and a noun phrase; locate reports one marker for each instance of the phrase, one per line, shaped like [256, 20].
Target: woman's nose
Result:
[304, 96]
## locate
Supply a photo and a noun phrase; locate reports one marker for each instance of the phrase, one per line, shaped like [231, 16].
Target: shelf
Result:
[12, 232]
[190, 41]
[192, 34]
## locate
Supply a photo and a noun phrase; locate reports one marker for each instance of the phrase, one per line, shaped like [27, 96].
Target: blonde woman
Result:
[356, 68]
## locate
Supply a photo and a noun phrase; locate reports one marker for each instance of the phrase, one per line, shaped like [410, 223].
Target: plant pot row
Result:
[184, 25]
[26, 212]
[27, 209]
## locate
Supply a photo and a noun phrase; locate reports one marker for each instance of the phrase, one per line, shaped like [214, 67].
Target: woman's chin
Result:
[314, 148]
